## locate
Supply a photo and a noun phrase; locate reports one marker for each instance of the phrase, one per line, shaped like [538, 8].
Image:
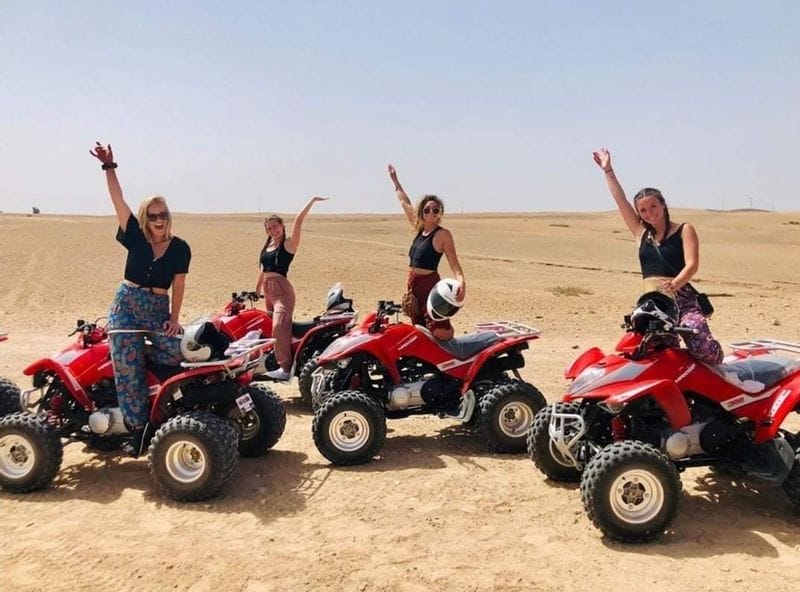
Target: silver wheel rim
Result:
[249, 423]
[185, 461]
[636, 496]
[515, 419]
[17, 456]
[349, 431]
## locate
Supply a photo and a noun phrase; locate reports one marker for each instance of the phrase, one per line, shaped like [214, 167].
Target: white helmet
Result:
[335, 302]
[442, 302]
[202, 341]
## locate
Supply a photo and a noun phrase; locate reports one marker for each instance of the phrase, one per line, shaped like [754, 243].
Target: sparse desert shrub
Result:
[560, 225]
[570, 291]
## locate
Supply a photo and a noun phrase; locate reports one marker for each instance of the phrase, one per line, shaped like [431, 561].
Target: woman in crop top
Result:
[156, 262]
[276, 256]
[669, 255]
[426, 250]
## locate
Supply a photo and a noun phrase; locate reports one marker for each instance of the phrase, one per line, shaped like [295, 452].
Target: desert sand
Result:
[435, 511]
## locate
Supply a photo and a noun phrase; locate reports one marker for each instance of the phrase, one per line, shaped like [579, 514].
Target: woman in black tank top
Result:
[276, 256]
[430, 242]
[669, 255]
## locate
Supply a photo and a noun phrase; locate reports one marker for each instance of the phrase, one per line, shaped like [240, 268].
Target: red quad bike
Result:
[203, 414]
[384, 369]
[10, 401]
[633, 419]
[309, 338]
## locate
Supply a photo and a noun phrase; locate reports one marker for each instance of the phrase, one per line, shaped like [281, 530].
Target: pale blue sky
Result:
[496, 106]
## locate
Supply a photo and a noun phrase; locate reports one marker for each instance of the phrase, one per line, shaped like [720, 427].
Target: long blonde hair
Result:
[418, 224]
[142, 216]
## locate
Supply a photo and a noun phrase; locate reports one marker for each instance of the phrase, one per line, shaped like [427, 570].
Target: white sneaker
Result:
[279, 374]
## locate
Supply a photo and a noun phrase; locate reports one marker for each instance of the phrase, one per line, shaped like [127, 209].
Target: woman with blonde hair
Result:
[275, 258]
[430, 241]
[156, 262]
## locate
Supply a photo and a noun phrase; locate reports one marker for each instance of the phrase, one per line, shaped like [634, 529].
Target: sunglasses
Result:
[159, 216]
[433, 210]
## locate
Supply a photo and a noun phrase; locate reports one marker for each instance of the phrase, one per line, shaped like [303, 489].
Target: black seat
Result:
[301, 328]
[766, 370]
[464, 347]
[162, 372]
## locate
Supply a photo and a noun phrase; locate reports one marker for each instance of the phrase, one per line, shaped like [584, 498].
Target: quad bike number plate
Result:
[245, 403]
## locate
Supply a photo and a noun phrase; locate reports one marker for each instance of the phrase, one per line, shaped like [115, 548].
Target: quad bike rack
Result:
[505, 328]
[761, 345]
[238, 353]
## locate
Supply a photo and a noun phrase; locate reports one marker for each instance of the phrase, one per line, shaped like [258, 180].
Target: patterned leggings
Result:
[138, 308]
[702, 344]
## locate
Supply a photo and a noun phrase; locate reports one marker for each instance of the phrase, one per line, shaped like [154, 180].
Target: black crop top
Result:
[671, 249]
[277, 261]
[422, 255]
[140, 266]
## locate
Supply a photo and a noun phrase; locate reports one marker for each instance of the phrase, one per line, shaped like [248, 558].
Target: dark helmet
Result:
[442, 302]
[654, 306]
[202, 341]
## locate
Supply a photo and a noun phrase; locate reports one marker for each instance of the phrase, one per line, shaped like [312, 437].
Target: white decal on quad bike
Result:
[686, 373]
[406, 342]
[454, 363]
[778, 403]
[745, 399]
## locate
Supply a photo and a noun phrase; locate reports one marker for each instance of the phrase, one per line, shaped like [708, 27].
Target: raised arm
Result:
[449, 249]
[401, 195]
[603, 160]
[105, 155]
[293, 241]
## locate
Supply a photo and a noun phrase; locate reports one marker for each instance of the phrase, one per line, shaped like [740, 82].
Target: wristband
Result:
[606, 171]
[108, 165]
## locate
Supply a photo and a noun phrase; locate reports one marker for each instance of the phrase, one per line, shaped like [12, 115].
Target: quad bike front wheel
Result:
[543, 451]
[506, 415]
[631, 491]
[263, 425]
[193, 456]
[349, 428]
[30, 453]
[10, 401]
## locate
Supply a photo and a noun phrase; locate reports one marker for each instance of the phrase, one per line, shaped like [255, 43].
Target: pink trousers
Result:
[280, 294]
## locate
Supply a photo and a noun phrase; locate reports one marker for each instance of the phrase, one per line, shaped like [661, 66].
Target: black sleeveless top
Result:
[671, 249]
[276, 261]
[422, 255]
[140, 266]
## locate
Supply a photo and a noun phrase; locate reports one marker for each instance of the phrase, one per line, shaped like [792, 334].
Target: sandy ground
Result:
[435, 511]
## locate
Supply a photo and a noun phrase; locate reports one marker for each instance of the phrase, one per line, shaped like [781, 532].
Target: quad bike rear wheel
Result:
[543, 452]
[10, 401]
[30, 453]
[506, 415]
[261, 427]
[631, 491]
[349, 428]
[193, 456]
[792, 483]
[304, 380]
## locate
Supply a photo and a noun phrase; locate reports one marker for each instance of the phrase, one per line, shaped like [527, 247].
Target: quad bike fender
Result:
[786, 400]
[65, 375]
[665, 394]
[166, 389]
[492, 351]
[333, 325]
[583, 361]
[357, 342]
